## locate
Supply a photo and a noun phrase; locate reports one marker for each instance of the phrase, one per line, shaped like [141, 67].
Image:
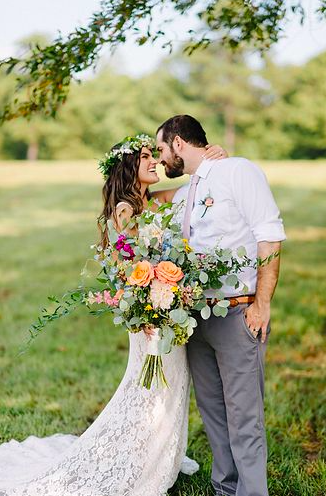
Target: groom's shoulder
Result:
[230, 165]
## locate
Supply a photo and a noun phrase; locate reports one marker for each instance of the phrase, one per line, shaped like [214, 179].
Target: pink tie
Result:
[189, 206]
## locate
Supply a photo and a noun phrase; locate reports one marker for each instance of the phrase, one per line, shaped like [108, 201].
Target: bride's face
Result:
[147, 168]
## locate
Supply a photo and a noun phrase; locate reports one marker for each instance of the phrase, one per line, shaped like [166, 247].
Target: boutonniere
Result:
[207, 202]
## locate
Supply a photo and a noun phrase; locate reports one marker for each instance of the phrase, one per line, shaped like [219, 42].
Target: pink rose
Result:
[209, 202]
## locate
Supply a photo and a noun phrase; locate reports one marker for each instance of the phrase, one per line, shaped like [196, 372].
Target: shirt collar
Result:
[204, 168]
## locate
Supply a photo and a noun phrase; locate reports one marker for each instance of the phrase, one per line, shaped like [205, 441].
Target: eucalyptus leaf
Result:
[185, 323]
[203, 277]
[91, 269]
[134, 321]
[124, 253]
[129, 271]
[123, 305]
[190, 330]
[223, 303]
[241, 252]
[217, 311]
[219, 295]
[192, 257]
[193, 322]
[143, 251]
[113, 235]
[181, 259]
[226, 254]
[231, 280]
[245, 289]
[200, 304]
[224, 312]
[165, 344]
[131, 300]
[178, 315]
[174, 254]
[205, 312]
[118, 320]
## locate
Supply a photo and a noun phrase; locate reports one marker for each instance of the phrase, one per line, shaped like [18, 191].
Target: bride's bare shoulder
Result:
[123, 207]
[123, 214]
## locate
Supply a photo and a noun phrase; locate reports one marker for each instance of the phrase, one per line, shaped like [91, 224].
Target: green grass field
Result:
[47, 222]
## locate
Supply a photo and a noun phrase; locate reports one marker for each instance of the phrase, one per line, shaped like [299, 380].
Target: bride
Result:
[137, 444]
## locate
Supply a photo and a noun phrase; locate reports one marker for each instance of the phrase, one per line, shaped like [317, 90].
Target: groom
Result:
[230, 202]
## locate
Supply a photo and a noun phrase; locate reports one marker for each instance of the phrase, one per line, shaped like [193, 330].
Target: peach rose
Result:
[142, 274]
[168, 272]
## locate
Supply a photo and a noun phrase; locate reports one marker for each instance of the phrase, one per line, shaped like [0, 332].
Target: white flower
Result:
[161, 295]
[150, 231]
[91, 299]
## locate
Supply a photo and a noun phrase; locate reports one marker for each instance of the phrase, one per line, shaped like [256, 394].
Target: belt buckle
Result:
[234, 302]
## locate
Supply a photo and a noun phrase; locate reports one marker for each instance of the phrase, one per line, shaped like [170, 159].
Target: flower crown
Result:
[129, 145]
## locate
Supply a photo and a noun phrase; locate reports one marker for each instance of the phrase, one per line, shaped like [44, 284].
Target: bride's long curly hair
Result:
[122, 184]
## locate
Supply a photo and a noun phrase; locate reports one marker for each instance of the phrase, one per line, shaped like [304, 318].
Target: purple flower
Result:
[120, 242]
[121, 245]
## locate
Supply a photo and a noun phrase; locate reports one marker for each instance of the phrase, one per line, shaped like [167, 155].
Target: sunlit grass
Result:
[47, 222]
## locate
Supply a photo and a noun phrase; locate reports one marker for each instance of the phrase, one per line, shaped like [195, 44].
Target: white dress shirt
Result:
[244, 212]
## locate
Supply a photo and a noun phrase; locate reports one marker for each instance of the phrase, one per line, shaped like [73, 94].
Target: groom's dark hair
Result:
[185, 126]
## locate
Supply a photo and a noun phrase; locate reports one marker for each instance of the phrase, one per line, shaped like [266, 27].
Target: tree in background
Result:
[305, 119]
[44, 77]
[219, 80]
[276, 112]
[26, 140]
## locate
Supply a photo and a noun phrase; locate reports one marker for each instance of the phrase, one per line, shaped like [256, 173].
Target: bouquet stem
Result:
[153, 371]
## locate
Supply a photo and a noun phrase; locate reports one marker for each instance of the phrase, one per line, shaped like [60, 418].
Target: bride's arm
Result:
[165, 195]
[213, 152]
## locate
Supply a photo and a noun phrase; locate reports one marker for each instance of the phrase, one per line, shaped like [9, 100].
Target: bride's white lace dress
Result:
[135, 447]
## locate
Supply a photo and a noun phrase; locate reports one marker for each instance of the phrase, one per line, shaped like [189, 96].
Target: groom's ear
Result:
[178, 142]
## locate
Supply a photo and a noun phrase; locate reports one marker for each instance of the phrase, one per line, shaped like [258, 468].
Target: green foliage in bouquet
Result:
[153, 279]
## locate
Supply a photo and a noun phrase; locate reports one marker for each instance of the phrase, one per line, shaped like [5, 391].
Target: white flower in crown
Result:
[128, 146]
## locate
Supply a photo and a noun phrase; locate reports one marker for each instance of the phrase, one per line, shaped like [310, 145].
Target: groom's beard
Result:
[175, 168]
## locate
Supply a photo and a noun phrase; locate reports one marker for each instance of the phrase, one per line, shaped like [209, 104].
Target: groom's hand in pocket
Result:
[257, 318]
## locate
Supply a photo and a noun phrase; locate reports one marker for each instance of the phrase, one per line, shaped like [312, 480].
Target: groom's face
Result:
[173, 163]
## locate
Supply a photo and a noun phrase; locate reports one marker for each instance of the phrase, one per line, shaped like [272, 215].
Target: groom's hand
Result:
[215, 152]
[257, 317]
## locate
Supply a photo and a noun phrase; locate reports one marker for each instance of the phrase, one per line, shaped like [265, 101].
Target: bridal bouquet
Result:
[153, 278]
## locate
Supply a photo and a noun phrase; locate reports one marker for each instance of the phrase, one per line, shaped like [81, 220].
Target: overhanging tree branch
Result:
[44, 77]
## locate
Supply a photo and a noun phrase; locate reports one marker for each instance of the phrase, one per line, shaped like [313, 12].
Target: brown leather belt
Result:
[234, 300]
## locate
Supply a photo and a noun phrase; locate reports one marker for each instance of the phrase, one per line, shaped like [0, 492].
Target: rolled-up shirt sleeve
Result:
[256, 203]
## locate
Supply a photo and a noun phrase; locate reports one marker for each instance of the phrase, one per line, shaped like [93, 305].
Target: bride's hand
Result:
[148, 330]
[215, 152]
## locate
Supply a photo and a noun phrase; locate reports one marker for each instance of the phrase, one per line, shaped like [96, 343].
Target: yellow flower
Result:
[174, 289]
[155, 316]
[148, 307]
[187, 247]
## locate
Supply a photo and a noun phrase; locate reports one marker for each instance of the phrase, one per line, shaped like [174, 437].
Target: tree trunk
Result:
[229, 128]
[32, 151]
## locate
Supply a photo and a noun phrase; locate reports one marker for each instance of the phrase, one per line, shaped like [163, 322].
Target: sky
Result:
[20, 18]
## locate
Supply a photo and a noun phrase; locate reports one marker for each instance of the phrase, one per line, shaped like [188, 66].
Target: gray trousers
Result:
[227, 367]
